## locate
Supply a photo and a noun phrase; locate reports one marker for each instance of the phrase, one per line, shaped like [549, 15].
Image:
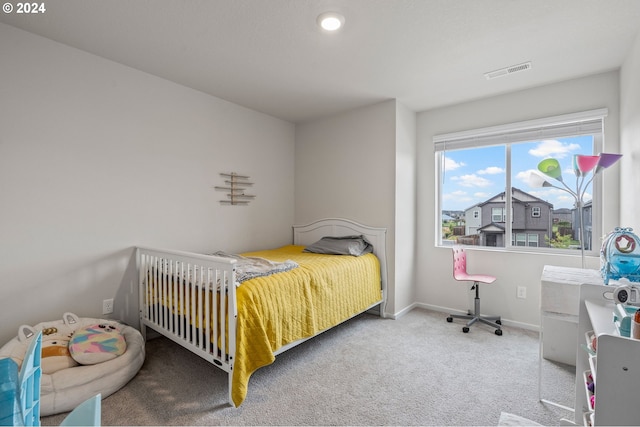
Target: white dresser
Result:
[560, 307]
[615, 366]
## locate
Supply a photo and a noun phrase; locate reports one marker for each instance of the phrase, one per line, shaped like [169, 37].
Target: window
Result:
[521, 239]
[484, 176]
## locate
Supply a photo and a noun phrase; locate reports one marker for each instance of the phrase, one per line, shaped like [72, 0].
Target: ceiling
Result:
[272, 57]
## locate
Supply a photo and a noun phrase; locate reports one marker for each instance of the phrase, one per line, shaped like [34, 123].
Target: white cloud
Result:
[472, 180]
[553, 148]
[459, 196]
[451, 165]
[524, 175]
[481, 195]
[565, 198]
[455, 195]
[491, 170]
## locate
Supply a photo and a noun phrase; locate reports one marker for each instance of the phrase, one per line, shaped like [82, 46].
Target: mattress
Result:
[273, 311]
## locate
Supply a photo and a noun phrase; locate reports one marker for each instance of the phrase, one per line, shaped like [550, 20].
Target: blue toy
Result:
[620, 256]
[9, 408]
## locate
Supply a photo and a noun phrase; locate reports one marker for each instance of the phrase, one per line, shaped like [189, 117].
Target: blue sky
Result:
[474, 175]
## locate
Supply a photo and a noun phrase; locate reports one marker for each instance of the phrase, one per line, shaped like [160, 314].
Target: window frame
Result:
[582, 123]
[536, 212]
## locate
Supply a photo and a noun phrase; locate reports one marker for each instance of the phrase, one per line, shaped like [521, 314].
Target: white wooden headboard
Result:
[310, 233]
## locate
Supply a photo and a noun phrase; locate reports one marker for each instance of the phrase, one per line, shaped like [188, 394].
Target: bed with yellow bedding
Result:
[181, 294]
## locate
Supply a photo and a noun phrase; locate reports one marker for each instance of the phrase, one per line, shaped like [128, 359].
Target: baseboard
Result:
[505, 322]
[402, 312]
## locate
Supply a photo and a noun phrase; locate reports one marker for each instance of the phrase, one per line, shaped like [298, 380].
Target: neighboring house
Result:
[588, 227]
[562, 215]
[531, 220]
[571, 217]
[473, 220]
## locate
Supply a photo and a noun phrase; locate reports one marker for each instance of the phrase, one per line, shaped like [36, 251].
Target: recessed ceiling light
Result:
[330, 21]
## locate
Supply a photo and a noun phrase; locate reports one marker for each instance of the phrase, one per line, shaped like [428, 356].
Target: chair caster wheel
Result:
[449, 319]
[499, 332]
[499, 322]
[465, 329]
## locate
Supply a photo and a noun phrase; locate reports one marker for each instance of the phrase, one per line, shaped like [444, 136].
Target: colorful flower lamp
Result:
[582, 165]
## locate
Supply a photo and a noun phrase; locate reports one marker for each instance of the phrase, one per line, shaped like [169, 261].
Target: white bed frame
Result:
[173, 269]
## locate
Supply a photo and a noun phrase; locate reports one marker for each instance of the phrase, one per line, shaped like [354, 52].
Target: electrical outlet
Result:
[107, 306]
[522, 292]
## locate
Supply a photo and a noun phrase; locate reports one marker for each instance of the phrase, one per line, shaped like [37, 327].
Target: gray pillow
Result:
[346, 245]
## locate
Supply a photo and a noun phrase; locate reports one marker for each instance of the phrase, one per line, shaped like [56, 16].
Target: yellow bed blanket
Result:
[276, 310]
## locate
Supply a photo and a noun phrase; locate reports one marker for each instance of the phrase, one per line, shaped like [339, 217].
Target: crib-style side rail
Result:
[191, 299]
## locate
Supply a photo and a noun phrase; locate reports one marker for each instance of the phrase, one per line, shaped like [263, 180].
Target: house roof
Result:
[492, 227]
[271, 56]
[514, 192]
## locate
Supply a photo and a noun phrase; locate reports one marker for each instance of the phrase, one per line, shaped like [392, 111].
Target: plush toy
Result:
[97, 343]
[620, 256]
[55, 343]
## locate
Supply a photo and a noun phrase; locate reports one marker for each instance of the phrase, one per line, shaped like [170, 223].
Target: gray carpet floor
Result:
[417, 370]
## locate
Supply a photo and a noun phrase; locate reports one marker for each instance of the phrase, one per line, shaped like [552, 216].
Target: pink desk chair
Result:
[460, 274]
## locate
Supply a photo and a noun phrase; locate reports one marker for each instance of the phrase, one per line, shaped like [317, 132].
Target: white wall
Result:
[345, 167]
[96, 158]
[435, 286]
[405, 208]
[630, 139]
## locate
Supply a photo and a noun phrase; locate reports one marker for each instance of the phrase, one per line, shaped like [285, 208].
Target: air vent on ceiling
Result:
[508, 70]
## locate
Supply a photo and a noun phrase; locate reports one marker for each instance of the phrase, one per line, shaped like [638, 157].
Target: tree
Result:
[560, 241]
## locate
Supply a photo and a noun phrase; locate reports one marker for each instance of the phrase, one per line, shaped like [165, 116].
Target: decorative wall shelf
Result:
[235, 185]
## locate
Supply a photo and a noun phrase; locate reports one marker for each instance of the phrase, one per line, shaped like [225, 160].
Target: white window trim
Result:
[585, 122]
[529, 130]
